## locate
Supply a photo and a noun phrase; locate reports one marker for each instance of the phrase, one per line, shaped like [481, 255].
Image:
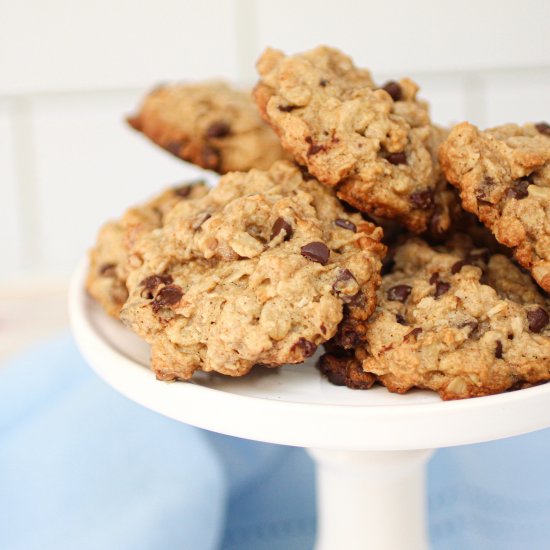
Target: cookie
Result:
[209, 124]
[106, 281]
[375, 146]
[503, 175]
[456, 320]
[258, 271]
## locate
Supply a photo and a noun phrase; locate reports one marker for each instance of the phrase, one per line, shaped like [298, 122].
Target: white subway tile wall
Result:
[59, 45]
[10, 229]
[412, 36]
[70, 72]
[521, 95]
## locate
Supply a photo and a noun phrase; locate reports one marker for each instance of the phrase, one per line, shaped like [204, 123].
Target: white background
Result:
[71, 71]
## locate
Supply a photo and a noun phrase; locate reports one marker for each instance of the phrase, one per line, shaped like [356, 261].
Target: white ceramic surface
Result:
[294, 405]
[371, 500]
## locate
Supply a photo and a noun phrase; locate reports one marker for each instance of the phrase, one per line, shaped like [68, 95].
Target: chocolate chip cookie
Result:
[209, 124]
[375, 145]
[258, 271]
[108, 269]
[503, 175]
[454, 319]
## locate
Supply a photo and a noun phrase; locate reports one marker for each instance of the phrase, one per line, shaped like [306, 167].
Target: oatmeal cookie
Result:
[456, 320]
[375, 146]
[258, 271]
[503, 175]
[209, 124]
[106, 281]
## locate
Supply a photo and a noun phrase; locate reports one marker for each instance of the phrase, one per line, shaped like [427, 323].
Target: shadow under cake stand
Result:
[370, 447]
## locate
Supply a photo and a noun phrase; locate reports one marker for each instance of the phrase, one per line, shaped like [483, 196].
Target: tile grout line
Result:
[25, 178]
[247, 51]
[475, 99]
[246, 29]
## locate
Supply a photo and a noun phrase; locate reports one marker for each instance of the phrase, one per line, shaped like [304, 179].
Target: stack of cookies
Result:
[416, 256]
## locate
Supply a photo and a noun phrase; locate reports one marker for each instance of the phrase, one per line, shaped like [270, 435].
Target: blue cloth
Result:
[82, 467]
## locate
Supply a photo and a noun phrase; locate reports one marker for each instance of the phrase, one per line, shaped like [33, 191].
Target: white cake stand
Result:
[370, 447]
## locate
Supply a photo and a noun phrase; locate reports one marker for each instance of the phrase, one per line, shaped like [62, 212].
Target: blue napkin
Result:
[81, 467]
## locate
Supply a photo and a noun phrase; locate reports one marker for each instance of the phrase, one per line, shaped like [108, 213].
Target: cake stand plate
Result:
[370, 447]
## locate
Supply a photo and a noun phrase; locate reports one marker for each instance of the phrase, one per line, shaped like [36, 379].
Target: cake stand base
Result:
[371, 499]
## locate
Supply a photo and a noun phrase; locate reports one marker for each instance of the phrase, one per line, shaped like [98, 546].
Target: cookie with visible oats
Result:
[375, 146]
[258, 271]
[210, 124]
[106, 281]
[456, 320]
[503, 175]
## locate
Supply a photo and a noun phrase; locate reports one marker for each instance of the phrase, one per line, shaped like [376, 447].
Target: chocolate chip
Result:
[316, 252]
[344, 276]
[498, 349]
[400, 319]
[538, 319]
[346, 224]
[399, 293]
[397, 158]
[358, 301]
[305, 174]
[394, 89]
[441, 287]
[218, 129]
[543, 128]
[485, 189]
[412, 334]
[323, 82]
[314, 148]
[423, 199]
[308, 348]
[167, 296]
[519, 190]
[286, 108]
[153, 281]
[456, 267]
[182, 191]
[280, 225]
[211, 157]
[434, 277]
[347, 337]
[108, 270]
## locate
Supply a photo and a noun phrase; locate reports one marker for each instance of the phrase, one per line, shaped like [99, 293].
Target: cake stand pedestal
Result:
[371, 499]
[370, 447]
